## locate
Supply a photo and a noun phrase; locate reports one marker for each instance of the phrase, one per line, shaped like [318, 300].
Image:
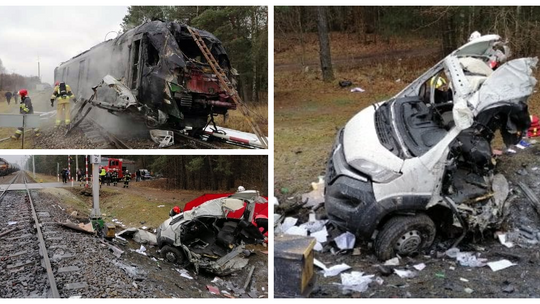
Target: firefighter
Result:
[127, 178]
[241, 189]
[261, 222]
[174, 211]
[442, 93]
[62, 93]
[25, 108]
[114, 177]
[102, 174]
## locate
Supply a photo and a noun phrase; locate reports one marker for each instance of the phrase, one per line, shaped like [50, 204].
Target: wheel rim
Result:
[171, 257]
[408, 242]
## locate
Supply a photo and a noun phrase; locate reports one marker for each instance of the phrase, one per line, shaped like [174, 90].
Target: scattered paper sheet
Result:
[320, 235]
[405, 274]
[332, 271]
[356, 281]
[420, 266]
[392, 262]
[499, 265]
[345, 241]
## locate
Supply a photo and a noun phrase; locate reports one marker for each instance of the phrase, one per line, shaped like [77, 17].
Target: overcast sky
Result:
[55, 34]
[14, 158]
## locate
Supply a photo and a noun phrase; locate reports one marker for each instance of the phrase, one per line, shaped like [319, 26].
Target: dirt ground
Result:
[309, 112]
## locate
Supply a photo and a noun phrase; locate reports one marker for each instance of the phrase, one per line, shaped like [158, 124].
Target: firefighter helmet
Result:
[23, 92]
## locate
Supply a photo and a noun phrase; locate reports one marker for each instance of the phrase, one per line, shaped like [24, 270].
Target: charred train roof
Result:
[158, 32]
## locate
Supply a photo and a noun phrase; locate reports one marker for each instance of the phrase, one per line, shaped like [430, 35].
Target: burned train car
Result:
[157, 72]
[6, 168]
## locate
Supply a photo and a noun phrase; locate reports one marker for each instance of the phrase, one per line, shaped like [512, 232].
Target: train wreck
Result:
[155, 73]
[211, 236]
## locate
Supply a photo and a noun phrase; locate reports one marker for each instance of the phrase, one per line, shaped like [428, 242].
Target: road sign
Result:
[16, 120]
[95, 159]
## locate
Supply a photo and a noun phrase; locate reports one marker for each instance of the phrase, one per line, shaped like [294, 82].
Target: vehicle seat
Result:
[227, 235]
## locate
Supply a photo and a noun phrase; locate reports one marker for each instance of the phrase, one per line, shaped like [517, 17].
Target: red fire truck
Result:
[118, 164]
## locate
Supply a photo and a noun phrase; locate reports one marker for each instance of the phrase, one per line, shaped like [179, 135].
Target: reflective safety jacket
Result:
[102, 173]
[26, 106]
[62, 93]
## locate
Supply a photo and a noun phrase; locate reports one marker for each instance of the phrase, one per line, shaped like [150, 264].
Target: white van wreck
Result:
[403, 169]
[206, 238]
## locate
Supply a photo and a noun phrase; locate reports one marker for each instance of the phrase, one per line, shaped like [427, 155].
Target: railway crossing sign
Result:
[95, 159]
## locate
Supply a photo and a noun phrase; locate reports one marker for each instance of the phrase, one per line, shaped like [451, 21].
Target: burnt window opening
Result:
[152, 54]
[191, 50]
[135, 63]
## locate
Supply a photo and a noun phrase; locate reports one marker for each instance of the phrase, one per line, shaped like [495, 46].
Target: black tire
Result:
[404, 235]
[173, 255]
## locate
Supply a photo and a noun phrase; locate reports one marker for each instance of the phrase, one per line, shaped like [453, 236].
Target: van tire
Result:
[404, 235]
[172, 255]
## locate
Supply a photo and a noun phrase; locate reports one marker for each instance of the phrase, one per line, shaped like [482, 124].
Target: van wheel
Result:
[172, 255]
[404, 235]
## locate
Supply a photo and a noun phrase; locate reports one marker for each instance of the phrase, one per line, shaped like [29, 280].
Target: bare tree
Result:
[324, 45]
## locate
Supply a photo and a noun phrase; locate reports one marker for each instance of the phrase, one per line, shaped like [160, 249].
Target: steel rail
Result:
[4, 191]
[42, 246]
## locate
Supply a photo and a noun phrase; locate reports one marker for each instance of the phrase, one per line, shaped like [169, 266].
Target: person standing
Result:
[8, 97]
[62, 93]
[114, 177]
[138, 173]
[25, 108]
[15, 96]
[127, 178]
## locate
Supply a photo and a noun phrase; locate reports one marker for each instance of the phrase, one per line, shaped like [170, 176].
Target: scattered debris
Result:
[332, 271]
[356, 281]
[185, 274]
[141, 250]
[87, 228]
[502, 239]
[499, 265]
[315, 197]
[139, 235]
[468, 290]
[248, 279]
[463, 280]
[212, 289]
[345, 83]
[12, 223]
[405, 274]
[161, 206]
[345, 241]
[392, 262]
[420, 266]
[357, 90]
[8, 232]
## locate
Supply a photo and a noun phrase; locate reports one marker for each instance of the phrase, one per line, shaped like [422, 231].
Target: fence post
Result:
[23, 126]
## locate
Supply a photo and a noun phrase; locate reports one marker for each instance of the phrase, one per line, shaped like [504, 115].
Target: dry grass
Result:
[237, 120]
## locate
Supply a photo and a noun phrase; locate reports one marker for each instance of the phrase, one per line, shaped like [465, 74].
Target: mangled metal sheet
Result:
[510, 83]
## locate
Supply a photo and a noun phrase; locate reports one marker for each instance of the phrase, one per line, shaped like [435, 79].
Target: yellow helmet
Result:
[437, 81]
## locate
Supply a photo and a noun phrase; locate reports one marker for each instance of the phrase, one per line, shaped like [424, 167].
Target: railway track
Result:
[101, 137]
[33, 254]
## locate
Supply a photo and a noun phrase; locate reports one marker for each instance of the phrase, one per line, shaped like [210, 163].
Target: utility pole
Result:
[38, 69]
[34, 166]
[58, 171]
[96, 213]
